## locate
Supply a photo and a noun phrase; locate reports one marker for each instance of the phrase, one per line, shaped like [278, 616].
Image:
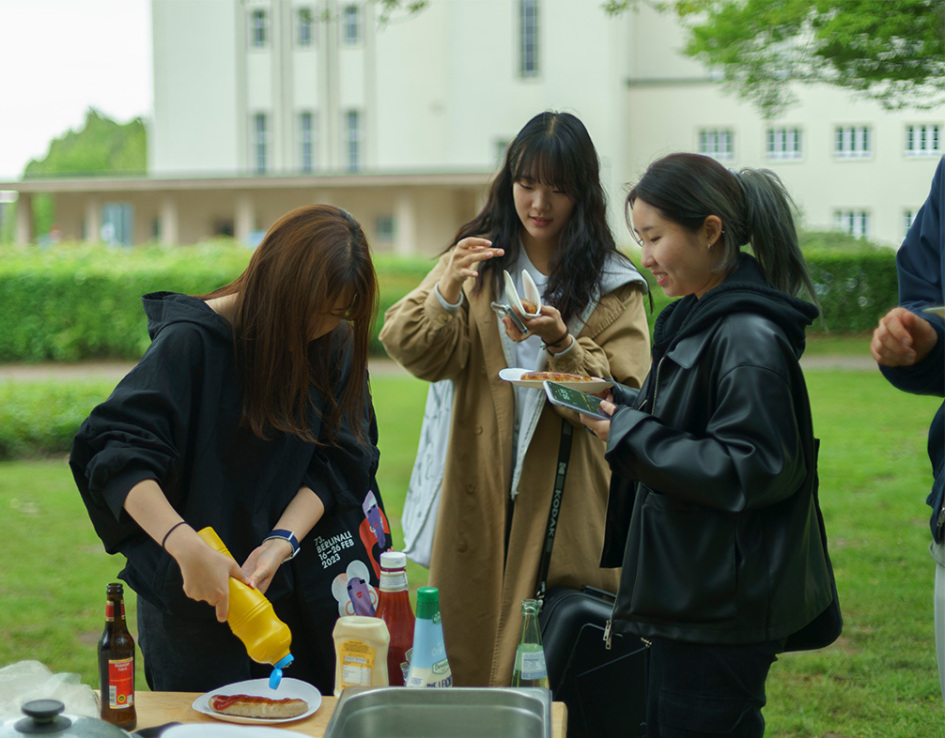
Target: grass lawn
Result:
[879, 680]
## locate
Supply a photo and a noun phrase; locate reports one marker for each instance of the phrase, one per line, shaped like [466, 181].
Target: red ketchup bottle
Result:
[394, 609]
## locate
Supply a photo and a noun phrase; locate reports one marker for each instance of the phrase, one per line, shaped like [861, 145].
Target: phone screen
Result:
[574, 399]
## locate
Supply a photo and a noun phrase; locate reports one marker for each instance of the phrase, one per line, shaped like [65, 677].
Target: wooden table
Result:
[157, 708]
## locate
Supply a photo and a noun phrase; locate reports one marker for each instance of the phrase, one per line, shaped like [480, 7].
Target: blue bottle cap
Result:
[275, 678]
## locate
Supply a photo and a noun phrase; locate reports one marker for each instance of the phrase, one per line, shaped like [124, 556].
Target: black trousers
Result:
[707, 690]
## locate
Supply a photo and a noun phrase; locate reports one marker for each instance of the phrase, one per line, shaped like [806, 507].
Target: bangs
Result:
[547, 162]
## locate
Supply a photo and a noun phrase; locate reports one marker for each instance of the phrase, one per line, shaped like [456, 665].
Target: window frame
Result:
[305, 35]
[784, 143]
[529, 65]
[856, 222]
[307, 143]
[352, 25]
[260, 142]
[258, 28]
[353, 144]
[930, 136]
[853, 141]
[715, 136]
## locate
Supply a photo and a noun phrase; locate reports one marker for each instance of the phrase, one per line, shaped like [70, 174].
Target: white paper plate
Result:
[515, 377]
[938, 310]
[294, 688]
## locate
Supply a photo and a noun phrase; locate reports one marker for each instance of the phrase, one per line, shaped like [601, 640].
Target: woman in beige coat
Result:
[545, 216]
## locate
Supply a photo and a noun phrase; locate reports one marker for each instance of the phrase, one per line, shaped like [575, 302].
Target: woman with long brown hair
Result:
[249, 413]
[545, 216]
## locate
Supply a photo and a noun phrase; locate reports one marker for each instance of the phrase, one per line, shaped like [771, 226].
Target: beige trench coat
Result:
[480, 596]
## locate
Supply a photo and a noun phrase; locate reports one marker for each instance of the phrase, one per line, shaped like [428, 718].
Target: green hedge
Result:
[72, 303]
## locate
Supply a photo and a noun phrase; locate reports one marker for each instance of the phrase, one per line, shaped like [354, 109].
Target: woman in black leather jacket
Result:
[712, 512]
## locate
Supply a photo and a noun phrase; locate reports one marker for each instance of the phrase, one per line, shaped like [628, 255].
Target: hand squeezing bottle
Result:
[254, 622]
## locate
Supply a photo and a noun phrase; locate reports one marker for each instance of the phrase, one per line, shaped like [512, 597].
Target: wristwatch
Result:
[285, 535]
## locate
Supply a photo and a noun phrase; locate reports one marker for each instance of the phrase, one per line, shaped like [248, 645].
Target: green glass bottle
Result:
[530, 669]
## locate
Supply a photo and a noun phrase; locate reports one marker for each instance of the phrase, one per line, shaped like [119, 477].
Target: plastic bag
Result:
[31, 680]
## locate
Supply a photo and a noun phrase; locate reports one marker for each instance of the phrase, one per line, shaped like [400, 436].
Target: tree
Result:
[102, 146]
[892, 51]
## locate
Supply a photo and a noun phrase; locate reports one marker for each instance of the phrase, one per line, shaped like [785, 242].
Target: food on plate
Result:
[554, 377]
[244, 705]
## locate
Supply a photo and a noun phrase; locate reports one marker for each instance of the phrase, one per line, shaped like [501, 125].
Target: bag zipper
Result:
[609, 625]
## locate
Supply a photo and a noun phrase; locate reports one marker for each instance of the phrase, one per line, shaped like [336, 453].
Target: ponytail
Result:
[770, 230]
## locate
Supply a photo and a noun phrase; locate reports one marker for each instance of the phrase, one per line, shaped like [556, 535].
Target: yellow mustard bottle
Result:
[361, 644]
[253, 620]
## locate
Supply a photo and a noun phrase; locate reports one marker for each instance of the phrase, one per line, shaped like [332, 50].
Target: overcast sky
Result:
[60, 57]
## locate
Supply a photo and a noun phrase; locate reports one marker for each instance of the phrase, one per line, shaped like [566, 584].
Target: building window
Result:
[304, 27]
[308, 141]
[386, 228]
[852, 142]
[260, 142]
[352, 133]
[853, 222]
[259, 28]
[784, 143]
[351, 25]
[716, 143]
[528, 53]
[923, 140]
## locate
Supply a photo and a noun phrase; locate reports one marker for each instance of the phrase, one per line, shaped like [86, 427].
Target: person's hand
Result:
[261, 565]
[597, 426]
[902, 338]
[464, 264]
[548, 325]
[206, 572]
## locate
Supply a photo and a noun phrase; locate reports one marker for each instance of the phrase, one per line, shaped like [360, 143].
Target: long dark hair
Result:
[752, 204]
[311, 258]
[556, 150]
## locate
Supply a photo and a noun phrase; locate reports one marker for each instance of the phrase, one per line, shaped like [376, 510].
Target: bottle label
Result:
[121, 683]
[533, 665]
[394, 580]
[110, 611]
[357, 664]
[439, 675]
[405, 664]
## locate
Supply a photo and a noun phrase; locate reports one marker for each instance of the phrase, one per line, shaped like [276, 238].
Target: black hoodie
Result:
[175, 418]
[711, 512]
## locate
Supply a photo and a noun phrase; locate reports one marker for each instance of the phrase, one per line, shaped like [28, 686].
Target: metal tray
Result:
[455, 712]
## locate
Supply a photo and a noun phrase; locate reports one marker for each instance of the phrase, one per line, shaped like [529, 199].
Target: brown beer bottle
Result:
[116, 664]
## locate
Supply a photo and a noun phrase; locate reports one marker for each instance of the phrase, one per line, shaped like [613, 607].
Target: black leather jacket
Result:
[711, 512]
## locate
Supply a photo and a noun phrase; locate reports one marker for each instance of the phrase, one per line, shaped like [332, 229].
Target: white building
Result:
[262, 105]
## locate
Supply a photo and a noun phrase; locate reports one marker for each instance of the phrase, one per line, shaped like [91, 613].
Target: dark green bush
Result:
[72, 303]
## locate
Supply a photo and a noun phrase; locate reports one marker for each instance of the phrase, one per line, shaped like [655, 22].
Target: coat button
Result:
[462, 547]
[470, 489]
[478, 430]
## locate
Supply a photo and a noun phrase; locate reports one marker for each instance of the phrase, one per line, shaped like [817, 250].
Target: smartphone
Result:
[574, 399]
[506, 312]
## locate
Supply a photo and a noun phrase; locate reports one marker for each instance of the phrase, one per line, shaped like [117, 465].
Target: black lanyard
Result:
[564, 454]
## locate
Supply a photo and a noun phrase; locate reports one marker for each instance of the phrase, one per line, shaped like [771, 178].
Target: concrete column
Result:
[405, 221]
[245, 219]
[24, 219]
[170, 223]
[93, 220]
